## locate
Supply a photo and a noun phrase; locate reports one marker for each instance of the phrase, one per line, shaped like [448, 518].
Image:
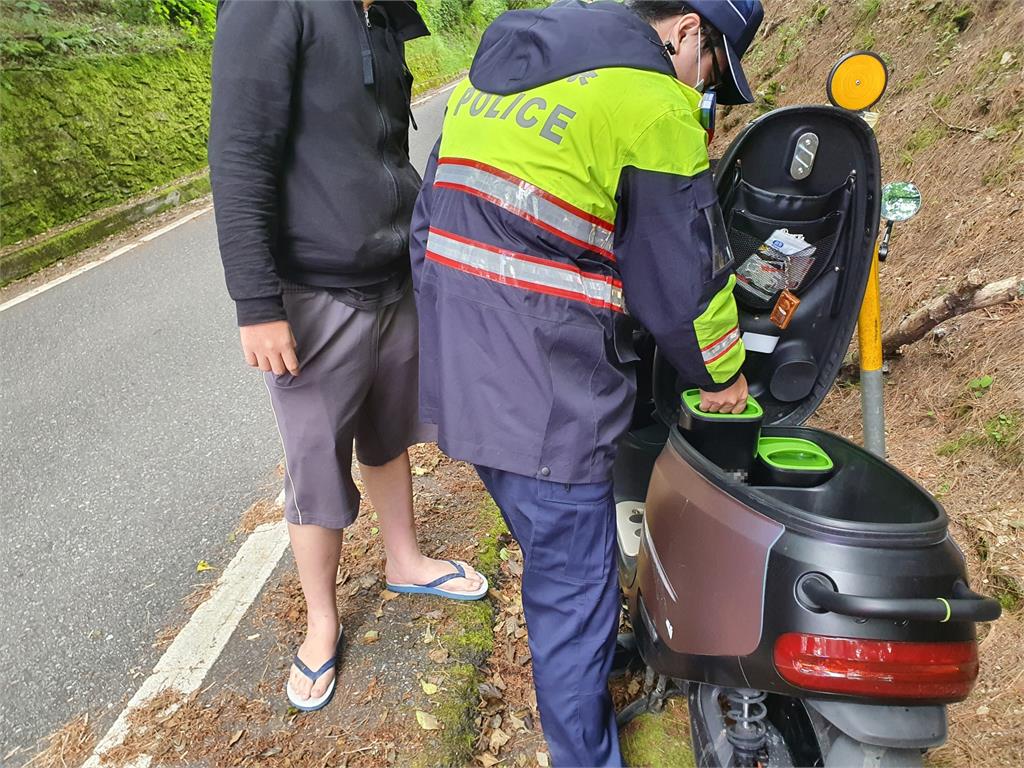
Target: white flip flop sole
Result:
[312, 705]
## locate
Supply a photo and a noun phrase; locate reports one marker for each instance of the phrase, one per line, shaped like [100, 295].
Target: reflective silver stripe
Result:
[523, 198]
[524, 272]
[717, 349]
[738, 12]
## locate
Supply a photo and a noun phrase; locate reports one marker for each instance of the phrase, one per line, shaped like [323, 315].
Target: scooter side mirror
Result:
[901, 200]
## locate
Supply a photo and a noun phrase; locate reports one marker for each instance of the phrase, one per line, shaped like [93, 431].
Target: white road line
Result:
[103, 260]
[184, 665]
[438, 92]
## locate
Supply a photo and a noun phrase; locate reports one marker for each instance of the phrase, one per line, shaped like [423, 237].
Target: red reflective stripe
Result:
[528, 217]
[528, 257]
[720, 339]
[606, 225]
[723, 352]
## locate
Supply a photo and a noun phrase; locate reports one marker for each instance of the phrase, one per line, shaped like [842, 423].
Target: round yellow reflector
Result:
[857, 81]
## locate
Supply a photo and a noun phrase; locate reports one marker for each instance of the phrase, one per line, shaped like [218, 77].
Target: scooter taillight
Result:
[878, 668]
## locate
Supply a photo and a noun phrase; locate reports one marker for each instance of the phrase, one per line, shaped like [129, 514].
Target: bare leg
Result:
[390, 489]
[317, 551]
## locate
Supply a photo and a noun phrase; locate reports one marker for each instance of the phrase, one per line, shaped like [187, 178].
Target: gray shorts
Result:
[358, 379]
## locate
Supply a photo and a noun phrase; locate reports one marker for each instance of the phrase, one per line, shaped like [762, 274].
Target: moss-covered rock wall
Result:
[96, 132]
[87, 127]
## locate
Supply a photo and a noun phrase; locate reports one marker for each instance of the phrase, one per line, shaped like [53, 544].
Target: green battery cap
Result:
[691, 399]
[793, 454]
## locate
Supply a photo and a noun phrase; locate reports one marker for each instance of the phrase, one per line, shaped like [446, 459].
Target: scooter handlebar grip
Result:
[965, 605]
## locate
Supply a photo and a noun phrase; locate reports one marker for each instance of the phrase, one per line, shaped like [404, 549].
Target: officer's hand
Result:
[731, 400]
[270, 347]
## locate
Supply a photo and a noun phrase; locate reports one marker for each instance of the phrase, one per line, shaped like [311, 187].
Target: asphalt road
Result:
[133, 439]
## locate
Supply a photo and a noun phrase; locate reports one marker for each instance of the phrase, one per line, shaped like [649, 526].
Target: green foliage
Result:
[106, 99]
[196, 17]
[1003, 429]
[76, 140]
[767, 98]
[953, 447]
[923, 138]
[980, 385]
[867, 10]
[659, 740]
[36, 35]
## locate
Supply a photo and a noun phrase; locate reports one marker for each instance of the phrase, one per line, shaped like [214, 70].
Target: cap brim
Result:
[735, 89]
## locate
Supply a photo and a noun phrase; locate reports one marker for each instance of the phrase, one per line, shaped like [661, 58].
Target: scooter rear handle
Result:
[965, 605]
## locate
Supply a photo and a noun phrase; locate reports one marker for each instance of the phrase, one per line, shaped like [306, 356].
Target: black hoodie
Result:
[309, 152]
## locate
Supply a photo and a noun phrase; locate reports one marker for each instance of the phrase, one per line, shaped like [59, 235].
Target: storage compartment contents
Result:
[791, 461]
[859, 487]
[782, 241]
[773, 255]
[729, 440]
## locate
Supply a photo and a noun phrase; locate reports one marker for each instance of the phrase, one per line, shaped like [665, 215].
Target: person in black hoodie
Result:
[313, 191]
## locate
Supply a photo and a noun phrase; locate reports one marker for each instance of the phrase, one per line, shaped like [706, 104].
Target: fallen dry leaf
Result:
[367, 581]
[427, 721]
[371, 637]
[487, 759]
[438, 655]
[234, 739]
[202, 565]
[498, 740]
[517, 723]
[428, 636]
[428, 688]
[387, 594]
[489, 692]
[542, 760]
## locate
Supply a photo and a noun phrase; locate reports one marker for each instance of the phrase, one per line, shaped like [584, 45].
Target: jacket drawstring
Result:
[364, 19]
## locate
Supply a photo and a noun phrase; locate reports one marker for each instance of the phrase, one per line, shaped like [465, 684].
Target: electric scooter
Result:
[803, 594]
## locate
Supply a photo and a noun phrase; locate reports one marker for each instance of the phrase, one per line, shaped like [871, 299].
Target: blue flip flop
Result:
[434, 587]
[312, 705]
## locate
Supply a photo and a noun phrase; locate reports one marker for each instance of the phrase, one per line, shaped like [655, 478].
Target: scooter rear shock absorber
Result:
[747, 732]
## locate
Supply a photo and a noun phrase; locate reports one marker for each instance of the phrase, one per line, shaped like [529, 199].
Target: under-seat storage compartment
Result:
[859, 487]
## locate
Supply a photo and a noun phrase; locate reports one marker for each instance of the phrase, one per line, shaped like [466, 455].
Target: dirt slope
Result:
[952, 122]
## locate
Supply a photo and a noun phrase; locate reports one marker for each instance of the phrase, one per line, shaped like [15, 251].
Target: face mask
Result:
[699, 85]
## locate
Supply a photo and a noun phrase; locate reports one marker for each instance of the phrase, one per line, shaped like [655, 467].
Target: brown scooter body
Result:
[813, 615]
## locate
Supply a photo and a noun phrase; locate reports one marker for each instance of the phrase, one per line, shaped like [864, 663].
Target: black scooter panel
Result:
[835, 208]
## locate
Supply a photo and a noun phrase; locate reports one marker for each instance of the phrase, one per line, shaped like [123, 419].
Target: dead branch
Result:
[969, 295]
[952, 126]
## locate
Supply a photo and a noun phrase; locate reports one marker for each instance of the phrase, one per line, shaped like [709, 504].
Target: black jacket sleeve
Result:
[254, 63]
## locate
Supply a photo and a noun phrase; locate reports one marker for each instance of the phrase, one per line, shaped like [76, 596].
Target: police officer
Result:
[570, 194]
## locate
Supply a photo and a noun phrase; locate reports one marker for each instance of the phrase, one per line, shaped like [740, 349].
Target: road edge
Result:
[24, 259]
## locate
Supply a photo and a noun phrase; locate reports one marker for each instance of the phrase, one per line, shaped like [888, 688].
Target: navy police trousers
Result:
[571, 601]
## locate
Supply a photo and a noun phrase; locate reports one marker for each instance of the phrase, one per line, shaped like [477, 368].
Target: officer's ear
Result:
[679, 35]
[682, 28]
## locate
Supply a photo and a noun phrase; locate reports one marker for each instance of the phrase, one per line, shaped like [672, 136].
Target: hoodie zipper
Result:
[384, 140]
